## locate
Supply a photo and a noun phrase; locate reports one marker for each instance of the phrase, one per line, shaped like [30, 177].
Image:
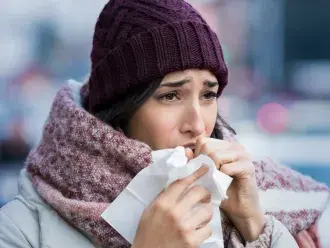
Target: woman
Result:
[157, 70]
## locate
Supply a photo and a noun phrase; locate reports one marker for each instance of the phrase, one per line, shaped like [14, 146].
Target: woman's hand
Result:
[179, 217]
[242, 205]
[309, 238]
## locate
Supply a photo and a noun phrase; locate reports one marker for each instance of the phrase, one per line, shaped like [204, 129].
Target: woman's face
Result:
[183, 108]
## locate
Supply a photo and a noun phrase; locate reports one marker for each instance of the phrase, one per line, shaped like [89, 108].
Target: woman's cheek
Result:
[210, 118]
[156, 130]
[165, 130]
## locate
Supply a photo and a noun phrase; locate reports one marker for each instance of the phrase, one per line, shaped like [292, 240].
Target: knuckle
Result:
[209, 208]
[182, 182]
[204, 147]
[178, 182]
[161, 205]
[225, 168]
[209, 231]
[213, 155]
[209, 211]
[197, 188]
[189, 242]
[209, 217]
[185, 228]
[207, 194]
[201, 190]
[173, 215]
[199, 140]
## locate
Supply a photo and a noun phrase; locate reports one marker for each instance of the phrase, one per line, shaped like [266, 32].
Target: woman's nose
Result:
[193, 120]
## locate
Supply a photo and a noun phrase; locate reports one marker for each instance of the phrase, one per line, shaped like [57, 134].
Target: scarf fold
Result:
[81, 165]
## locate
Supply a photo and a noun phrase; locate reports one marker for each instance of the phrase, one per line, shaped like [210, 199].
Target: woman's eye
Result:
[210, 95]
[169, 96]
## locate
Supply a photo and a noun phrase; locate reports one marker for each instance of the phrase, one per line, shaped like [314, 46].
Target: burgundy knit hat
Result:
[138, 41]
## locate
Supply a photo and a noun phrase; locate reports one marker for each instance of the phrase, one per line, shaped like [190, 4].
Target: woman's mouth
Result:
[191, 146]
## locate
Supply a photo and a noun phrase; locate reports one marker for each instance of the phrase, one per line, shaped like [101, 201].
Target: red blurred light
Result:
[272, 118]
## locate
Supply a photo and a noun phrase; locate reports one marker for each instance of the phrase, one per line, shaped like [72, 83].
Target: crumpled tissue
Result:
[124, 213]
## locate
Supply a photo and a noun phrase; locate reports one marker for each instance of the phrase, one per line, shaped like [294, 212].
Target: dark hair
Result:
[120, 113]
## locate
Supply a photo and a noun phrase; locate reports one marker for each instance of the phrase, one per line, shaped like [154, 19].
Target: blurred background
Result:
[278, 54]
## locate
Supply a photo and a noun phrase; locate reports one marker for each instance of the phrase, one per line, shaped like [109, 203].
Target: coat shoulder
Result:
[19, 225]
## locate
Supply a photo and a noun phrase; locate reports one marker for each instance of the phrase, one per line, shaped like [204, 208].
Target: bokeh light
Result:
[272, 118]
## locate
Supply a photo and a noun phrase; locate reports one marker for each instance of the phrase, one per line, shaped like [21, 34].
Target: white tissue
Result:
[168, 165]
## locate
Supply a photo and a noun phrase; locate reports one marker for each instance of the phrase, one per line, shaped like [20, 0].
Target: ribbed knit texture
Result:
[138, 41]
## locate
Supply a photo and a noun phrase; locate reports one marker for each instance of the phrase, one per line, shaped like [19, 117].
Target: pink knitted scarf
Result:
[82, 164]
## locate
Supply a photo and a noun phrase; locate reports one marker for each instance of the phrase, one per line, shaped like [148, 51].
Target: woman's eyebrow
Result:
[175, 84]
[210, 84]
[207, 83]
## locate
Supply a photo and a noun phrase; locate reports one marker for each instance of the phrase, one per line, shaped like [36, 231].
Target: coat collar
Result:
[54, 230]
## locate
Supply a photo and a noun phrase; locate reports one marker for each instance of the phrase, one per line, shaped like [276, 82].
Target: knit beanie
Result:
[138, 41]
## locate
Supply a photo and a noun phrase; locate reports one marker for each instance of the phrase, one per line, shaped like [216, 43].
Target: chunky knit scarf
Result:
[81, 165]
